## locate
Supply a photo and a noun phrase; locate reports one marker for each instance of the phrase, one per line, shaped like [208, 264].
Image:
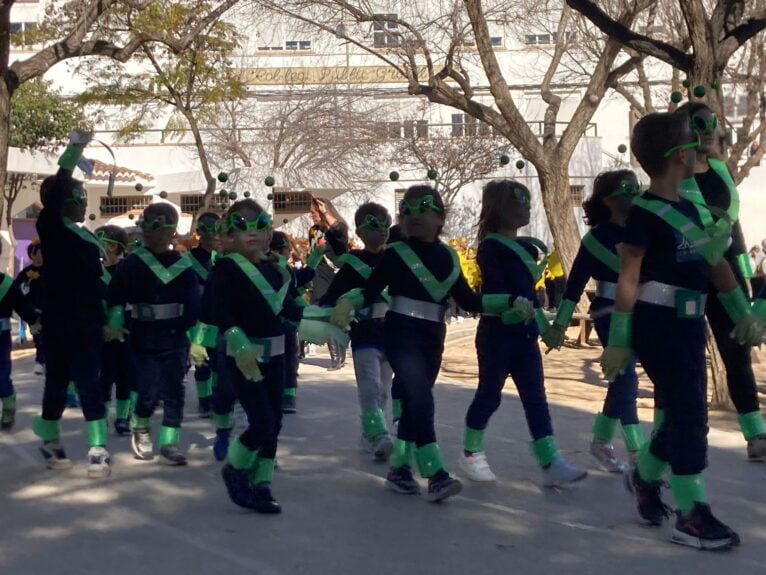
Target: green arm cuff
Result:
[115, 317]
[356, 297]
[565, 313]
[203, 334]
[314, 258]
[495, 303]
[70, 157]
[759, 309]
[743, 261]
[621, 329]
[541, 320]
[735, 303]
[300, 301]
[237, 341]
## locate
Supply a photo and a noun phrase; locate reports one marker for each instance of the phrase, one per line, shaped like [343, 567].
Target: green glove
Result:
[347, 304]
[735, 303]
[621, 329]
[554, 337]
[315, 257]
[495, 303]
[748, 331]
[614, 360]
[198, 354]
[245, 353]
[114, 333]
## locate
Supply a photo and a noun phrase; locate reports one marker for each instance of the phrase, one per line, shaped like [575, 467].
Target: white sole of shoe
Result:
[469, 474]
[619, 467]
[681, 538]
[99, 473]
[59, 465]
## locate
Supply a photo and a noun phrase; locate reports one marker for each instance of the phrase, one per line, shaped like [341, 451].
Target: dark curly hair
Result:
[596, 211]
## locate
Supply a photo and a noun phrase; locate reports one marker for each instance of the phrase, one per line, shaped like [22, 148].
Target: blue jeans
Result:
[502, 352]
[620, 401]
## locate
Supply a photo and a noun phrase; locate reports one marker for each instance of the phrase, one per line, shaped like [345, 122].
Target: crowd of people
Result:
[131, 313]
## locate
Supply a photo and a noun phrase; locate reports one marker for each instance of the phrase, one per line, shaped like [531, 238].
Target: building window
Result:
[576, 193]
[192, 203]
[496, 41]
[385, 34]
[399, 196]
[457, 126]
[547, 39]
[467, 125]
[421, 129]
[298, 45]
[117, 205]
[293, 202]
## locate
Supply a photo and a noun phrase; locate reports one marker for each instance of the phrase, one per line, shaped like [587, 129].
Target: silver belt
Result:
[606, 290]
[155, 312]
[5, 324]
[658, 293]
[374, 311]
[419, 309]
[267, 347]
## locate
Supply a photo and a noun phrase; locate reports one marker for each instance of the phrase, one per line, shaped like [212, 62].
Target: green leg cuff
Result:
[225, 421]
[140, 422]
[240, 457]
[123, 409]
[97, 433]
[9, 401]
[603, 427]
[169, 435]
[633, 435]
[290, 391]
[544, 450]
[659, 419]
[263, 471]
[373, 423]
[429, 458]
[71, 388]
[45, 429]
[650, 468]
[205, 388]
[396, 408]
[473, 440]
[688, 490]
[751, 424]
[402, 453]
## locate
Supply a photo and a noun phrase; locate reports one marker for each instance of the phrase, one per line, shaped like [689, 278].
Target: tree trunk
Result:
[554, 184]
[720, 398]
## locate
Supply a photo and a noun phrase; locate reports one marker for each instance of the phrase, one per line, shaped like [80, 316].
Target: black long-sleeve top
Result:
[239, 303]
[30, 281]
[72, 286]
[366, 333]
[205, 258]
[14, 300]
[587, 266]
[504, 272]
[134, 283]
[336, 244]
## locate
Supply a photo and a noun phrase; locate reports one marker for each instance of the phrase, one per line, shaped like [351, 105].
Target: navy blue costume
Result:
[672, 349]
[30, 281]
[115, 359]
[12, 300]
[508, 349]
[300, 279]
[73, 314]
[159, 348]
[204, 374]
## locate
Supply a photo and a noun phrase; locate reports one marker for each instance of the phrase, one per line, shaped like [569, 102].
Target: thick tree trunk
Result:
[554, 183]
[5, 119]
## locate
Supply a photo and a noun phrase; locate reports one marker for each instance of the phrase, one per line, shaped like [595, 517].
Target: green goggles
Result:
[240, 223]
[425, 203]
[700, 124]
[136, 243]
[211, 227]
[102, 237]
[629, 188]
[78, 196]
[522, 196]
[372, 223]
[693, 145]
[158, 223]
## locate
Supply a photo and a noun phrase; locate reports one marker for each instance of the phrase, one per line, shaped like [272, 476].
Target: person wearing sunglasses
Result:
[713, 186]
[421, 273]
[201, 257]
[330, 231]
[115, 360]
[253, 291]
[606, 212]
[668, 260]
[371, 367]
[162, 291]
[30, 282]
[508, 265]
[73, 315]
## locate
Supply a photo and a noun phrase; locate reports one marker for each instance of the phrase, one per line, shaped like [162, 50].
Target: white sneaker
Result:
[312, 351]
[99, 463]
[476, 467]
[560, 472]
[460, 319]
[39, 369]
[603, 452]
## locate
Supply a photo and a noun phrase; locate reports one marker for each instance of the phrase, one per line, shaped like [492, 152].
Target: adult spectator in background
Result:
[555, 284]
[758, 281]
[30, 283]
[329, 231]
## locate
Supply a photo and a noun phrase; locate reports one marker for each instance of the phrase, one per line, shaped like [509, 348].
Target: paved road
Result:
[337, 518]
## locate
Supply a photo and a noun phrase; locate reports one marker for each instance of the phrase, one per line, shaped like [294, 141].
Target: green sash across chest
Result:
[85, 235]
[534, 268]
[165, 275]
[274, 298]
[5, 285]
[691, 191]
[601, 252]
[438, 290]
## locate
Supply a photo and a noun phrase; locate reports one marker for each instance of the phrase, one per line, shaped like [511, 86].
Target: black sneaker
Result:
[651, 508]
[221, 444]
[263, 501]
[288, 404]
[171, 454]
[701, 530]
[8, 418]
[400, 479]
[204, 407]
[121, 426]
[55, 456]
[441, 486]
